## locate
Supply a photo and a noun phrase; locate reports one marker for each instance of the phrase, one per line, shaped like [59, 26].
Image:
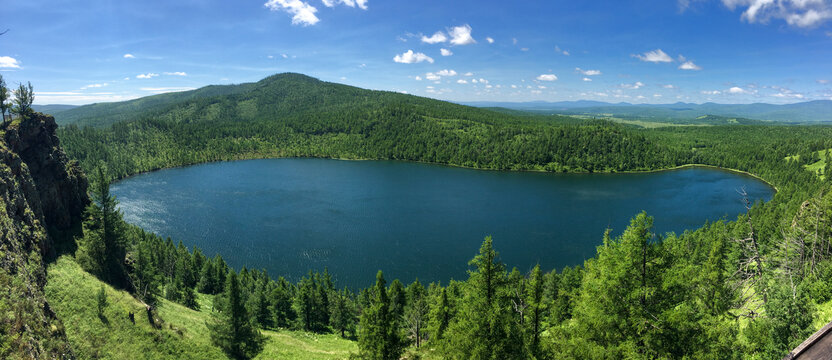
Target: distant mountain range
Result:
[52, 109]
[805, 112]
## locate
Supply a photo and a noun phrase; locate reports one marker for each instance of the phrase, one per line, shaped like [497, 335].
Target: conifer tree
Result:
[378, 336]
[342, 316]
[440, 316]
[101, 250]
[4, 99]
[536, 309]
[231, 329]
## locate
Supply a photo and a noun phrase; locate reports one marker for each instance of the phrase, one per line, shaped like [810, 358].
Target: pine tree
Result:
[537, 307]
[4, 99]
[101, 251]
[24, 96]
[342, 316]
[378, 335]
[231, 328]
[440, 316]
[486, 328]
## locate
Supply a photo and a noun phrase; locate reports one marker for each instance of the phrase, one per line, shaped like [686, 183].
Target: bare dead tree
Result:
[416, 319]
[750, 269]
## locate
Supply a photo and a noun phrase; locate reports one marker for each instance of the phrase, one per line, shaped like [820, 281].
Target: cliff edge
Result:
[42, 198]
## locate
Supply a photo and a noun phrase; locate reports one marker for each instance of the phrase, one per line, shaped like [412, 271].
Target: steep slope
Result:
[39, 189]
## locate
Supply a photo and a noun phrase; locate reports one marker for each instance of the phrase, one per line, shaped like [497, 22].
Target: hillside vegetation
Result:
[746, 289]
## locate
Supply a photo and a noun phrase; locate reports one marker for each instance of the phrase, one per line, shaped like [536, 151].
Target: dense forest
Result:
[743, 289]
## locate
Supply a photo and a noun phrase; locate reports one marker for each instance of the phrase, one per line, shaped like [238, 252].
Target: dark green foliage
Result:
[342, 312]
[231, 328]
[102, 249]
[486, 326]
[378, 334]
[23, 98]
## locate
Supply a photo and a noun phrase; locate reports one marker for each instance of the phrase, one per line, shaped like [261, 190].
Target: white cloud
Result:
[437, 37]
[823, 81]
[461, 35]
[789, 95]
[524, 49]
[490, 40]
[474, 81]
[800, 13]
[410, 57]
[432, 77]
[634, 86]
[162, 90]
[711, 92]
[177, 73]
[588, 72]
[654, 56]
[469, 74]
[129, 56]
[284, 56]
[536, 92]
[737, 90]
[446, 72]
[417, 78]
[446, 52]
[461, 81]
[513, 86]
[547, 77]
[9, 62]
[94, 86]
[669, 86]
[689, 65]
[657, 95]
[351, 3]
[483, 81]
[587, 79]
[146, 76]
[302, 13]
[559, 50]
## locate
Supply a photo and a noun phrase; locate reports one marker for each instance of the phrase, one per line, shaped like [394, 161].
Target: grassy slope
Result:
[816, 167]
[71, 292]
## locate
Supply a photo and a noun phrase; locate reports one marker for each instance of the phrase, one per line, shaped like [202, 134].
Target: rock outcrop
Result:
[39, 190]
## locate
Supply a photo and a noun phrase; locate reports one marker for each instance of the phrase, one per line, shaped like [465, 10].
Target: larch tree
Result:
[231, 328]
[378, 335]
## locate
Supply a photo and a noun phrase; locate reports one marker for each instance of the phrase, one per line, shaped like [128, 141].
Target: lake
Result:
[412, 220]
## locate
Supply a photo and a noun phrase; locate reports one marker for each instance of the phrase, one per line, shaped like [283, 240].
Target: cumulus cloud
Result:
[9, 62]
[146, 76]
[655, 56]
[737, 90]
[823, 81]
[547, 77]
[437, 37]
[461, 35]
[800, 13]
[711, 92]
[410, 57]
[469, 74]
[302, 13]
[417, 78]
[689, 65]
[668, 86]
[446, 72]
[432, 77]
[462, 81]
[446, 52]
[490, 40]
[129, 56]
[588, 72]
[177, 73]
[559, 50]
[587, 79]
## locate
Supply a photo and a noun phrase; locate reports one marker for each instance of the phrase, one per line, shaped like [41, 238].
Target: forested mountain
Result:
[818, 111]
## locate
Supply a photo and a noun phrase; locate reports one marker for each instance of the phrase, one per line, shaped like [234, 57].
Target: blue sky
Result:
[661, 51]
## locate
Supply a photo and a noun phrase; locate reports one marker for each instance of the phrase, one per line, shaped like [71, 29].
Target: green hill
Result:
[71, 293]
[289, 115]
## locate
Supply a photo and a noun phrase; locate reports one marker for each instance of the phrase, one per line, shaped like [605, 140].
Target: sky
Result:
[639, 51]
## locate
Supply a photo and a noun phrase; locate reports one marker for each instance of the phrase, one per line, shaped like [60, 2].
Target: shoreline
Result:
[679, 167]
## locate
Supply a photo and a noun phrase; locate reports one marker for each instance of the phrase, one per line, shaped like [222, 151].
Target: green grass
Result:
[71, 293]
[818, 166]
[640, 123]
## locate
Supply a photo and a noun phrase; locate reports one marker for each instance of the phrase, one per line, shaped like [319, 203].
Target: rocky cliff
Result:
[42, 197]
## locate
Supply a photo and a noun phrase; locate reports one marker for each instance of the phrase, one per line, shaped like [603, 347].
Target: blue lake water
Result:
[412, 220]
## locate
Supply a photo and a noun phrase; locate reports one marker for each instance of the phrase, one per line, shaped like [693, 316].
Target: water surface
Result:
[412, 220]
